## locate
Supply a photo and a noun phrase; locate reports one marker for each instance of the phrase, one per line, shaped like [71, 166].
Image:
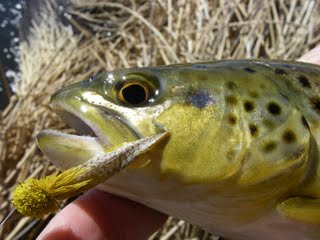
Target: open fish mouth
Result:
[99, 130]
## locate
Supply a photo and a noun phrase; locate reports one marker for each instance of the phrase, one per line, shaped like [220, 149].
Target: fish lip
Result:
[66, 150]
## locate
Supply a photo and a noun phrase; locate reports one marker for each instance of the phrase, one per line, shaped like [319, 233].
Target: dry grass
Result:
[107, 36]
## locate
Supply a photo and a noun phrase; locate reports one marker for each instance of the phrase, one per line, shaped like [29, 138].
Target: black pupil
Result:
[134, 94]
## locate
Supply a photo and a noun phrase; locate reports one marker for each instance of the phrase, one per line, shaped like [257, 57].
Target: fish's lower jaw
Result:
[68, 150]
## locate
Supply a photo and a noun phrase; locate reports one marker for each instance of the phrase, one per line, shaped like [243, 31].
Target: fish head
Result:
[124, 105]
[106, 111]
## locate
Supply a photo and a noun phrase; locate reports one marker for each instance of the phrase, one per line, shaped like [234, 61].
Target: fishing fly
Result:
[38, 197]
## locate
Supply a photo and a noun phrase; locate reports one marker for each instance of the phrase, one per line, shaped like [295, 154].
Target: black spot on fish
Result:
[249, 70]
[304, 81]
[269, 147]
[231, 100]
[200, 99]
[232, 119]
[253, 129]
[304, 122]
[289, 136]
[280, 71]
[315, 102]
[248, 106]
[274, 108]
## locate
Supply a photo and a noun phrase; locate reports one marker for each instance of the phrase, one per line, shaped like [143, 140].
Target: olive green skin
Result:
[242, 159]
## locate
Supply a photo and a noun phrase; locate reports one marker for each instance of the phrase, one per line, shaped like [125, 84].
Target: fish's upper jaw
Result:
[76, 113]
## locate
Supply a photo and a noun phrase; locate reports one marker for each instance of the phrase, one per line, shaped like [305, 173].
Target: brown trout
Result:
[242, 159]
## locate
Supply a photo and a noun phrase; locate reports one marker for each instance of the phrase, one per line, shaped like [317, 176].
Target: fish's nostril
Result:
[56, 99]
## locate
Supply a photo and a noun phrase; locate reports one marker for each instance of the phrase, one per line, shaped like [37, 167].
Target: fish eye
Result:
[134, 93]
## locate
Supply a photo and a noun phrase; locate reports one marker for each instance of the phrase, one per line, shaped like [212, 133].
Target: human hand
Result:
[313, 56]
[100, 215]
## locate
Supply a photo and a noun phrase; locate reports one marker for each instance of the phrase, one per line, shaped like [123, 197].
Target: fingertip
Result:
[313, 56]
[100, 215]
[71, 223]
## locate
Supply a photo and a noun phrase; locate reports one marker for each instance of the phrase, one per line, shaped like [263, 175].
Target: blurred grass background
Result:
[68, 41]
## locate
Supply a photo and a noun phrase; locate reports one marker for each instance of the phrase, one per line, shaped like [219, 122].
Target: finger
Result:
[100, 215]
[313, 56]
